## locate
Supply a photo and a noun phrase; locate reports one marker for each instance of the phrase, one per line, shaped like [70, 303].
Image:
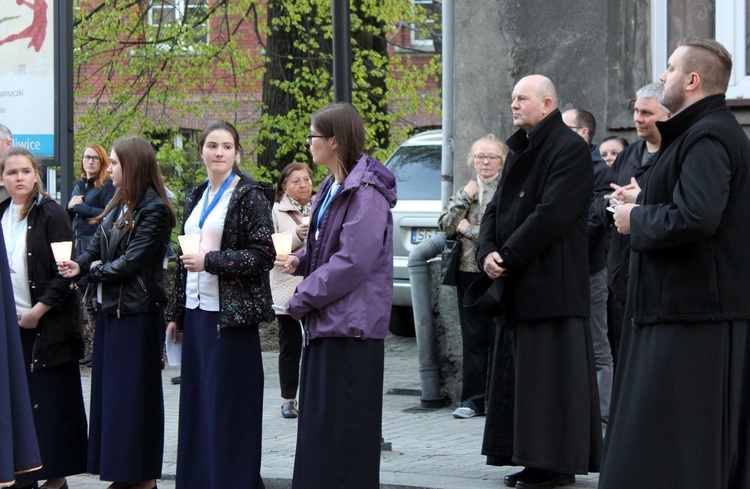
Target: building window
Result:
[191, 13]
[727, 21]
[421, 36]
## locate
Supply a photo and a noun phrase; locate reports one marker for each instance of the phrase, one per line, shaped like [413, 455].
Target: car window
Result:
[417, 171]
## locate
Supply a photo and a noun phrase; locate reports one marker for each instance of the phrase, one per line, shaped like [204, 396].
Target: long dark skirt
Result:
[59, 416]
[126, 434]
[681, 409]
[341, 410]
[543, 409]
[221, 405]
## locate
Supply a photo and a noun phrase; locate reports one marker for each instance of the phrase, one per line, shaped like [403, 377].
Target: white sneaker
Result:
[465, 413]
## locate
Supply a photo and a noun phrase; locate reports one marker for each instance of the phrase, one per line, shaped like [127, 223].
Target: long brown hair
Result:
[101, 176]
[343, 122]
[38, 187]
[139, 172]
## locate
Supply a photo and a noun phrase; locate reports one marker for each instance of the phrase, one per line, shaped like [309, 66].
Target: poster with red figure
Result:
[27, 77]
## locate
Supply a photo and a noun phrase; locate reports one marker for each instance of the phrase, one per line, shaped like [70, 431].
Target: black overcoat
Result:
[537, 221]
[690, 232]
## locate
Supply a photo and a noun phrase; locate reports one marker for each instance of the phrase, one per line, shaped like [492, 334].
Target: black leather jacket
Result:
[131, 273]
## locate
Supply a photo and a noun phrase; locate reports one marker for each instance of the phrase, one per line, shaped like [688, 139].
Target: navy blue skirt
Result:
[59, 416]
[221, 405]
[126, 431]
[341, 411]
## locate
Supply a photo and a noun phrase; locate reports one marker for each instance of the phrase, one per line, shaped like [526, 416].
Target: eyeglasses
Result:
[311, 136]
[482, 157]
[575, 128]
[90, 158]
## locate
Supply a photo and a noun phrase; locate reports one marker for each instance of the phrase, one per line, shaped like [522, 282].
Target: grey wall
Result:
[595, 51]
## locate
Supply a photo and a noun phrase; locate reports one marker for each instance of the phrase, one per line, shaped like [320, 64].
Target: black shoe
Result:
[289, 409]
[545, 479]
[512, 479]
[176, 380]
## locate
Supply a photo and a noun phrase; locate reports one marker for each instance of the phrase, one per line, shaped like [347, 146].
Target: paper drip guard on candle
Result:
[62, 250]
[190, 243]
[282, 242]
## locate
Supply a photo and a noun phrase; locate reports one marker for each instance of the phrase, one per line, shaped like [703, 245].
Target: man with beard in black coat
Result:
[681, 406]
[543, 407]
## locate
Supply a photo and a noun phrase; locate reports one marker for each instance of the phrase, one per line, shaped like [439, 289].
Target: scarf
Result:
[483, 184]
[302, 209]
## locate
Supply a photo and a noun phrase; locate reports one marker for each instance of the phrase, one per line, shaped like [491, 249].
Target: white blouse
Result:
[14, 233]
[202, 288]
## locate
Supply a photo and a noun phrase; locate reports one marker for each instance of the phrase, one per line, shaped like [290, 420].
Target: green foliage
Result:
[387, 89]
[135, 77]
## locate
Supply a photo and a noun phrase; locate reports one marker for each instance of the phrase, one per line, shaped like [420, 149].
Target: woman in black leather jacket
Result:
[49, 316]
[124, 261]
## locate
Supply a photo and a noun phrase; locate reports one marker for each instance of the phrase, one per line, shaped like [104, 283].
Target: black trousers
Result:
[478, 337]
[290, 352]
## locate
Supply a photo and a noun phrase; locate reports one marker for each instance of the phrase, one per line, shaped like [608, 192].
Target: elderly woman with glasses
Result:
[461, 220]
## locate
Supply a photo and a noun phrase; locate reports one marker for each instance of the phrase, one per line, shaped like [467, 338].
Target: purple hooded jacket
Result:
[348, 270]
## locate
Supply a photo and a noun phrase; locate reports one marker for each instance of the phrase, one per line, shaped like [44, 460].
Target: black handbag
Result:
[451, 258]
[485, 296]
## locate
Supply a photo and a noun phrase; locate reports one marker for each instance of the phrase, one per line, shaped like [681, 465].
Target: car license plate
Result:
[420, 234]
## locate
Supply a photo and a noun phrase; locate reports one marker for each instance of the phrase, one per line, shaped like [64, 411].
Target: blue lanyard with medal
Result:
[207, 208]
[324, 206]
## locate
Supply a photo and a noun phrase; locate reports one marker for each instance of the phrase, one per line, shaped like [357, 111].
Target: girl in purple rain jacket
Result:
[344, 303]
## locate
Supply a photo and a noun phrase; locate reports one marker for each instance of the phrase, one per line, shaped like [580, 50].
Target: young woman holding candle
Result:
[221, 295]
[124, 262]
[345, 304]
[49, 315]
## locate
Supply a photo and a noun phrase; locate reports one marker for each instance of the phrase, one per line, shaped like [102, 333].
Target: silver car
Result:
[416, 165]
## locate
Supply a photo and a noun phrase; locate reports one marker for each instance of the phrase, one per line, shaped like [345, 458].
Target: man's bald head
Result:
[534, 97]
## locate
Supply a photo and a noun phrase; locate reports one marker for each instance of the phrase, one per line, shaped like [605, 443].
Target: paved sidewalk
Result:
[430, 449]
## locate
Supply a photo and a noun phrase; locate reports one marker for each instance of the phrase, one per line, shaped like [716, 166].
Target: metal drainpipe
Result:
[421, 299]
[419, 272]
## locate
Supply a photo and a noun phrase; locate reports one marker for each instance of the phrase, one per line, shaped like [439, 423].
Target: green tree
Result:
[143, 66]
[298, 76]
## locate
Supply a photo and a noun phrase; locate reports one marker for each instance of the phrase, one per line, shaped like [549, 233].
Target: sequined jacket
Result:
[242, 264]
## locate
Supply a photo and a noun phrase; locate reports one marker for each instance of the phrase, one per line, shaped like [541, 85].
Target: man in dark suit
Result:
[543, 410]
[681, 410]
